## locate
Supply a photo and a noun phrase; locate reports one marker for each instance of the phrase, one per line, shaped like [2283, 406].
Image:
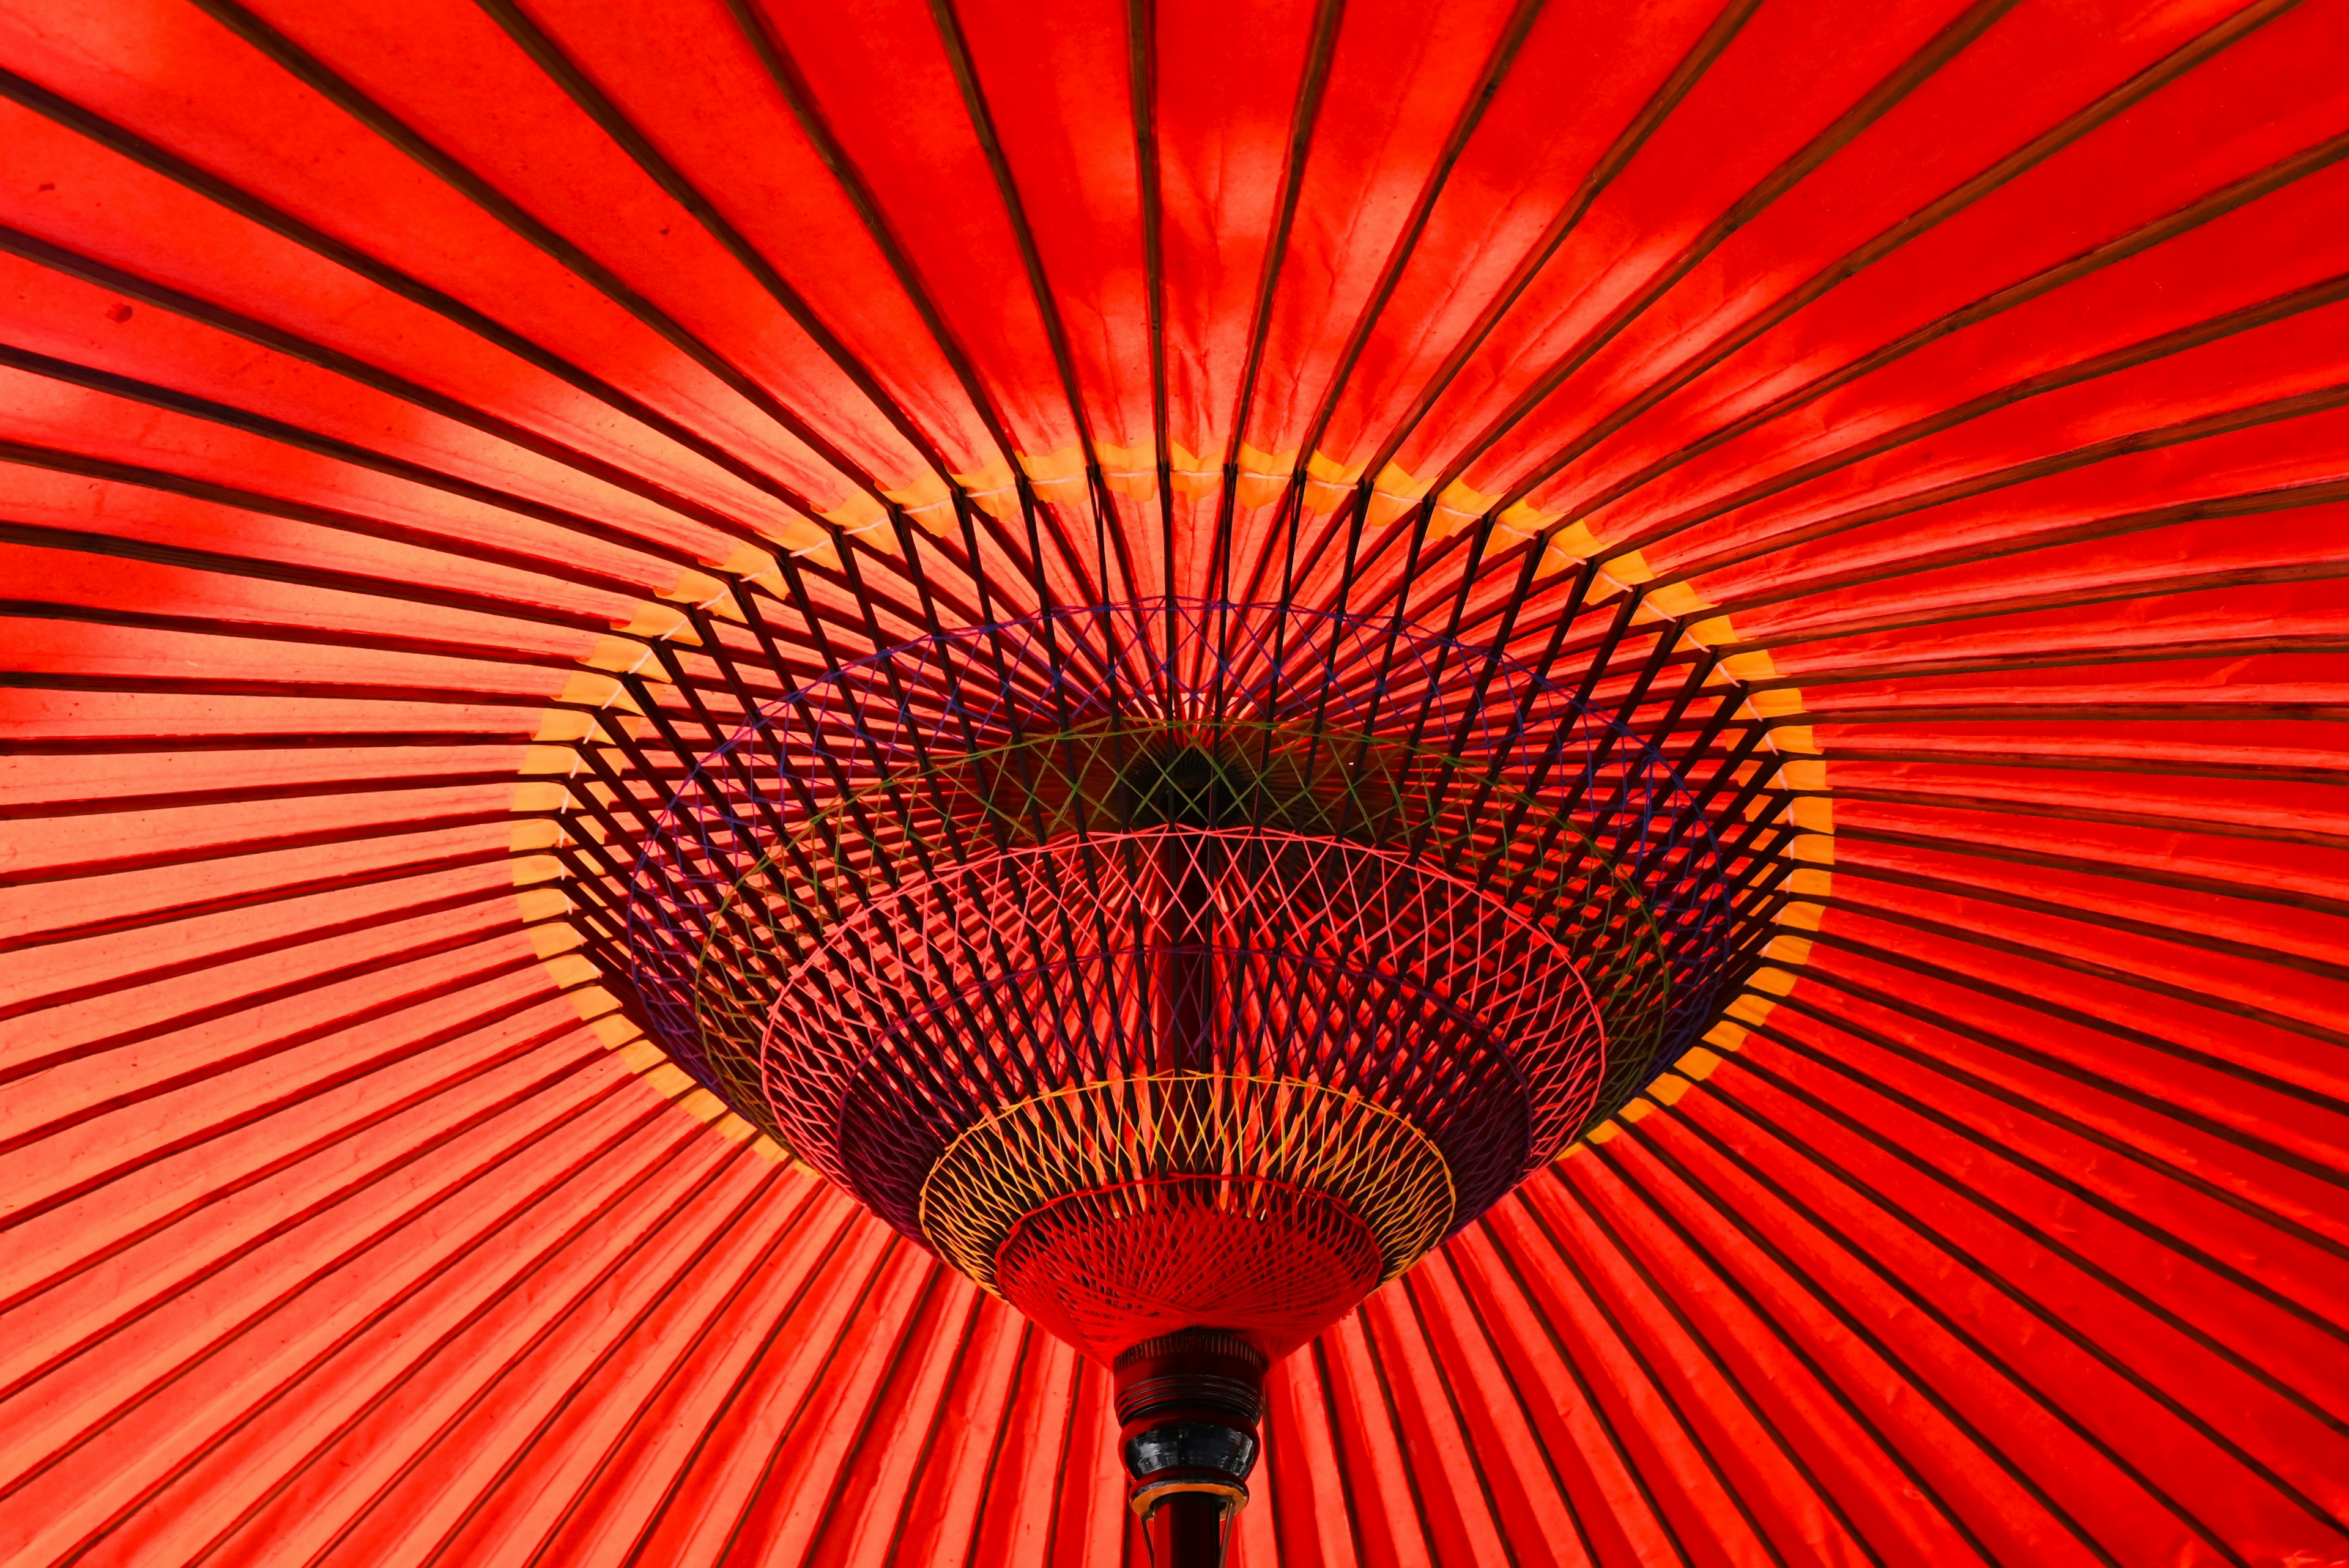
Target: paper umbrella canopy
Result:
[1311, 782]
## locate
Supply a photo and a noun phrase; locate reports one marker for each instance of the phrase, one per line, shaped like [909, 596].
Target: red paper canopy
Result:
[1942, 407]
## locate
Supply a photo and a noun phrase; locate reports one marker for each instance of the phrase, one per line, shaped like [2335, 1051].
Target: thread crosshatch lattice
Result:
[1310, 959]
[1296, 1157]
[1058, 941]
[1032, 730]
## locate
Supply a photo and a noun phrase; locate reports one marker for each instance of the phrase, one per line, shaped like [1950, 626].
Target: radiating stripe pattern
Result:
[1939, 414]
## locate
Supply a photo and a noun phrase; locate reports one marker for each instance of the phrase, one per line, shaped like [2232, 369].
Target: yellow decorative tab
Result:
[592, 1002]
[548, 797]
[1672, 601]
[926, 490]
[617, 1032]
[1457, 507]
[1555, 560]
[1698, 1063]
[1050, 468]
[1194, 473]
[751, 565]
[1462, 496]
[1527, 518]
[701, 1104]
[595, 691]
[554, 937]
[544, 903]
[562, 723]
[1057, 476]
[703, 591]
[699, 589]
[1712, 632]
[1804, 774]
[799, 536]
[531, 870]
[1394, 494]
[571, 969]
[1128, 471]
[1574, 542]
[853, 510]
[663, 621]
[1628, 570]
[881, 534]
[994, 476]
[857, 512]
[552, 761]
[670, 1079]
[1267, 465]
[1000, 502]
[1813, 813]
[625, 656]
[1328, 481]
[1638, 1110]
[1255, 491]
[1669, 1088]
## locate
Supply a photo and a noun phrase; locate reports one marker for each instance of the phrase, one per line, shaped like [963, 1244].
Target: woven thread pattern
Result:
[1309, 959]
[1254, 1138]
[1169, 962]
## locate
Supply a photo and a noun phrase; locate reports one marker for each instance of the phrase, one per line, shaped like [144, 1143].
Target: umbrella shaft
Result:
[1187, 1530]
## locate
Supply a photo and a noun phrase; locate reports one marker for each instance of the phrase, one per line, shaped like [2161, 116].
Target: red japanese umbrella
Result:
[1331, 784]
